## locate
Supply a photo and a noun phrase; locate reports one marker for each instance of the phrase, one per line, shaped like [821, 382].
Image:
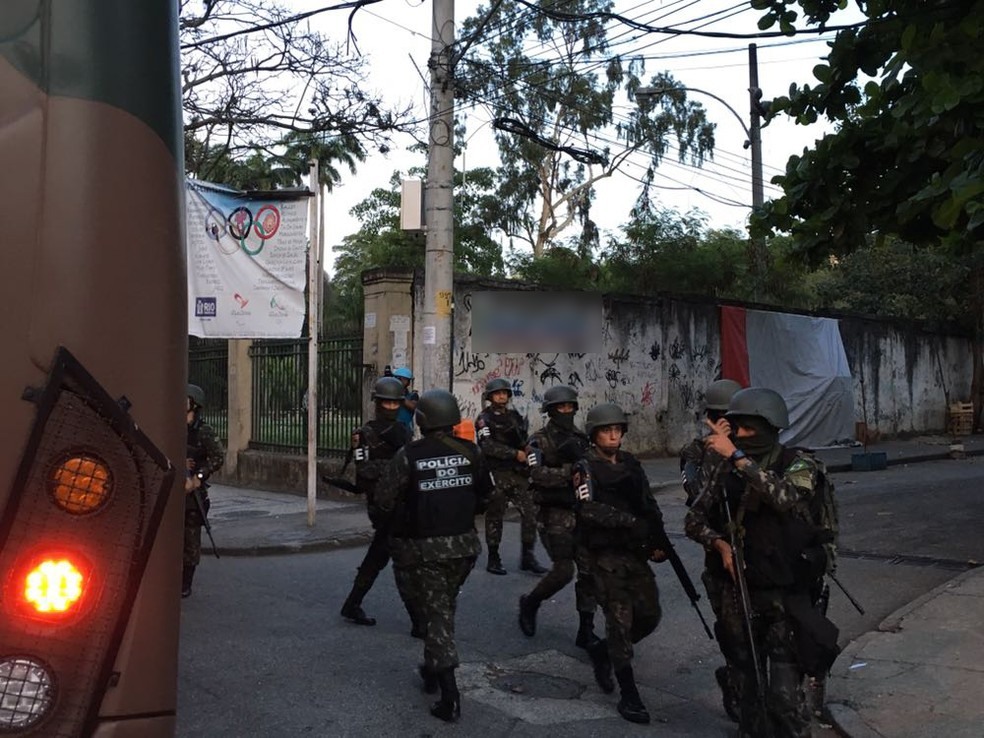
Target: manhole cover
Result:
[539, 685]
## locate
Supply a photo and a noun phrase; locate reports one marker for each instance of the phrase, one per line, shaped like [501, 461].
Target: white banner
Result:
[247, 259]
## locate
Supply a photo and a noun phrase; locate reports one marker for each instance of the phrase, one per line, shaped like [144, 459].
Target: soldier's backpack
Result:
[823, 506]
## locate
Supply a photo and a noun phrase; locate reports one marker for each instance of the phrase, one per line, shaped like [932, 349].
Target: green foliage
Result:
[565, 97]
[893, 278]
[381, 243]
[664, 251]
[907, 93]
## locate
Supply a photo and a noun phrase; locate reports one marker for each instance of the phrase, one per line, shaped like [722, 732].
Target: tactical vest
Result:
[620, 485]
[442, 498]
[775, 543]
[558, 448]
[507, 428]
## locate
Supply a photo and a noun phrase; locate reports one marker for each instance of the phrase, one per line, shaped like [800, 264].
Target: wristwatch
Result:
[737, 455]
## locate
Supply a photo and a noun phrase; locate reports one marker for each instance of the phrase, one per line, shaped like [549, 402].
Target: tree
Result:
[380, 242]
[906, 90]
[263, 93]
[908, 154]
[554, 104]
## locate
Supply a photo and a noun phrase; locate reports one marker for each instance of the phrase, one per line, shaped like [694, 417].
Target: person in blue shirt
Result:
[405, 414]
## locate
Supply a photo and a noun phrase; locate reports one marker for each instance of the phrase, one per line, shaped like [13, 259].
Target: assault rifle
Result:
[745, 602]
[660, 540]
[196, 495]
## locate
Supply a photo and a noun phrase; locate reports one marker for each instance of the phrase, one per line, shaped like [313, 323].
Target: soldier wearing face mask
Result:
[551, 454]
[373, 445]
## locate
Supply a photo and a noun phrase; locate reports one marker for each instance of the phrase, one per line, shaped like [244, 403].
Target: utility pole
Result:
[759, 256]
[435, 339]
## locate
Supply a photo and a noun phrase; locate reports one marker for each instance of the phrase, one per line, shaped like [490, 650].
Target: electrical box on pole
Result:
[412, 205]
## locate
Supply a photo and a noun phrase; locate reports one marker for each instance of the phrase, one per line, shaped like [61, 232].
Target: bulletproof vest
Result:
[441, 498]
[774, 543]
[563, 447]
[619, 485]
[507, 428]
[384, 438]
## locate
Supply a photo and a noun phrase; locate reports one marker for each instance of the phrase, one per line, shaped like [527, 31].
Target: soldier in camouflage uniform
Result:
[697, 465]
[767, 492]
[616, 514]
[204, 458]
[551, 454]
[373, 445]
[433, 488]
[501, 433]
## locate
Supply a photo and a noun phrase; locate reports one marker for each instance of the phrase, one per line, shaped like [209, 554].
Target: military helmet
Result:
[497, 385]
[437, 408]
[607, 413]
[197, 395]
[388, 388]
[559, 394]
[719, 393]
[403, 373]
[762, 403]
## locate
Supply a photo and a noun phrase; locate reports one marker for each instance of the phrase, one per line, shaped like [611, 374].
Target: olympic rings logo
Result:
[244, 230]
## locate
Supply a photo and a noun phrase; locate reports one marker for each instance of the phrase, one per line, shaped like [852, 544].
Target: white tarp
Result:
[247, 262]
[802, 358]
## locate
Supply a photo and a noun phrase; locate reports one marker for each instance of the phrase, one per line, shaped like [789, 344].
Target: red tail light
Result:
[75, 536]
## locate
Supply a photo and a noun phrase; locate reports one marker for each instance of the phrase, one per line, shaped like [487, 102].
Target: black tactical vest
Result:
[441, 499]
[620, 485]
[383, 438]
[774, 543]
[507, 428]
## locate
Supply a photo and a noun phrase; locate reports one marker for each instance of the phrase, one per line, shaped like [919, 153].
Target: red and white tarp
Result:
[800, 357]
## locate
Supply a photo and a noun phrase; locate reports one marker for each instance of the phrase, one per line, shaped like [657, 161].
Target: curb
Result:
[345, 539]
[846, 719]
[937, 456]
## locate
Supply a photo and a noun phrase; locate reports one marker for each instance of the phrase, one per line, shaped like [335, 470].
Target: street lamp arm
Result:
[644, 92]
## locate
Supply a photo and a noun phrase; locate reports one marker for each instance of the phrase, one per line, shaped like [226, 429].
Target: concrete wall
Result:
[659, 354]
[904, 377]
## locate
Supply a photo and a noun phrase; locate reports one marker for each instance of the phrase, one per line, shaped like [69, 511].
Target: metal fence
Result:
[208, 367]
[280, 374]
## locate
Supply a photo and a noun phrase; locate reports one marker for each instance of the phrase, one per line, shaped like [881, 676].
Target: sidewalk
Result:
[921, 672]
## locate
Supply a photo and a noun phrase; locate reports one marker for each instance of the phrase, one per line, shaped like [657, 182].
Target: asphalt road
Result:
[264, 652]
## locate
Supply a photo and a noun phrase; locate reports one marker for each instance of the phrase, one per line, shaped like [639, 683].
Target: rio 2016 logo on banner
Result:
[246, 251]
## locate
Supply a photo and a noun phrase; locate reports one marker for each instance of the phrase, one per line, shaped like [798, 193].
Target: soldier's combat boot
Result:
[527, 614]
[352, 609]
[585, 631]
[495, 563]
[448, 708]
[602, 664]
[630, 705]
[187, 576]
[729, 694]
[430, 679]
[529, 563]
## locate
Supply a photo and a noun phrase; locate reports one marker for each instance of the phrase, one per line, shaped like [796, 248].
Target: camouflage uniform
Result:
[434, 543]
[206, 454]
[769, 503]
[379, 440]
[554, 493]
[500, 435]
[613, 527]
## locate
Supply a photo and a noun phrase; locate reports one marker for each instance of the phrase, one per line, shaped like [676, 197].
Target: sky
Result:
[394, 35]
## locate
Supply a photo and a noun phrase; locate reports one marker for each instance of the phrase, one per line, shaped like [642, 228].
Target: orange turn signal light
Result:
[54, 586]
[80, 483]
